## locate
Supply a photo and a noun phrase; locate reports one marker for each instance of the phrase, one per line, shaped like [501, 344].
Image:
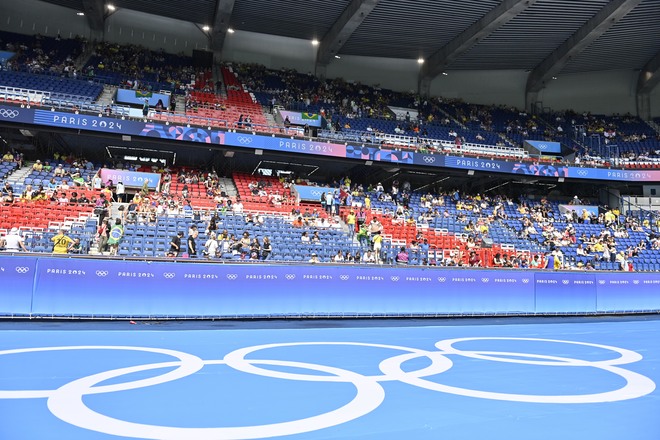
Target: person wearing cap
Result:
[14, 242]
[314, 258]
[175, 245]
[61, 243]
[59, 171]
[37, 166]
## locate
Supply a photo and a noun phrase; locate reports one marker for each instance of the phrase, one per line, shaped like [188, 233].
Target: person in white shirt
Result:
[120, 190]
[211, 246]
[14, 242]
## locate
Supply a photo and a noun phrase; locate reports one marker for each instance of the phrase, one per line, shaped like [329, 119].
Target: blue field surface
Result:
[514, 380]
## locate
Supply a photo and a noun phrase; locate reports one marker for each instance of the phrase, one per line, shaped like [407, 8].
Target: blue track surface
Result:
[583, 379]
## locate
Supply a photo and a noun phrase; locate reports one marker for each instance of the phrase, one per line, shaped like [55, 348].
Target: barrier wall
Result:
[350, 150]
[75, 287]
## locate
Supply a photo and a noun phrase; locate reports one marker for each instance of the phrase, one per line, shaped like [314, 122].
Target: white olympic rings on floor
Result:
[188, 364]
[67, 403]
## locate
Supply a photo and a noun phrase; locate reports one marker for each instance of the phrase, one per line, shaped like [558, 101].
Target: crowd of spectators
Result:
[141, 69]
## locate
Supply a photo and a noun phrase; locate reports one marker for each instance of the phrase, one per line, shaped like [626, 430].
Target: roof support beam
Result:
[576, 43]
[95, 12]
[220, 26]
[648, 79]
[494, 19]
[341, 30]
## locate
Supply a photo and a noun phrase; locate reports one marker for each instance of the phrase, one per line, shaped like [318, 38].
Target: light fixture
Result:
[230, 30]
[445, 73]
[111, 7]
[206, 28]
[80, 14]
[315, 42]
[554, 77]
[420, 60]
[338, 57]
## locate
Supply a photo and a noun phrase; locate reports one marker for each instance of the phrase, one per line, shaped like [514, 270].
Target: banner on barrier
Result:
[348, 150]
[50, 286]
[17, 278]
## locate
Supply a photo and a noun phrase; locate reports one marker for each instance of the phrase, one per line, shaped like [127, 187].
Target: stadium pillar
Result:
[644, 106]
[95, 14]
[424, 86]
[648, 79]
[531, 98]
[220, 27]
[596, 26]
[321, 70]
[493, 20]
[349, 20]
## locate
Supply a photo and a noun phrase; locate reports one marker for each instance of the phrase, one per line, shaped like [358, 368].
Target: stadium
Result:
[357, 219]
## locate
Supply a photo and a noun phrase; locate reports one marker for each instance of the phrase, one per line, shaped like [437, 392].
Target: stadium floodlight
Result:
[230, 30]
[338, 57]
[206, 28]
[420, 60]
[80, 14]
[315, 42]
[111, 7]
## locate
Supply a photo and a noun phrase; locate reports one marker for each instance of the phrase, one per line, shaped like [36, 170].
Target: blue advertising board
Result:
[545, 147]
[301, 118]
[311, 193]
[75, 287]
[17, 277]
[130, 179]
[16, 114]
[129, 96]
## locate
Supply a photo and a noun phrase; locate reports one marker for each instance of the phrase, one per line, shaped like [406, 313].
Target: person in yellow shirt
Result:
[351, 219]
[62, 243]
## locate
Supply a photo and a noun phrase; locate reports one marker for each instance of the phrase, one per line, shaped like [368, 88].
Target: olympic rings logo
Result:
[67, 402]
[635, 281]
[484, 280]
[344, 277]
[290, 276]
[169, 275]
[244, 140]
[525, 280]
[582, 172]
[394, 278]
[232, 276]
[429, 159]
[10, 114]
[101, 273]
[22, 269]
[565, 281]
[442, 279]
[315, 192]
[601, 281]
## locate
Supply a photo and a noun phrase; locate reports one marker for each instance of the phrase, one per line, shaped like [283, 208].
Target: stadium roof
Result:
[521, 35]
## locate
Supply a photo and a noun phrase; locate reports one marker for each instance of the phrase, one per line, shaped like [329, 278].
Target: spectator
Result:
[175, 245]
[191, 243]
[62, 242]
[266, 249]
[115, 236]
[14, 242]
[211, 246]
[402, 256]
